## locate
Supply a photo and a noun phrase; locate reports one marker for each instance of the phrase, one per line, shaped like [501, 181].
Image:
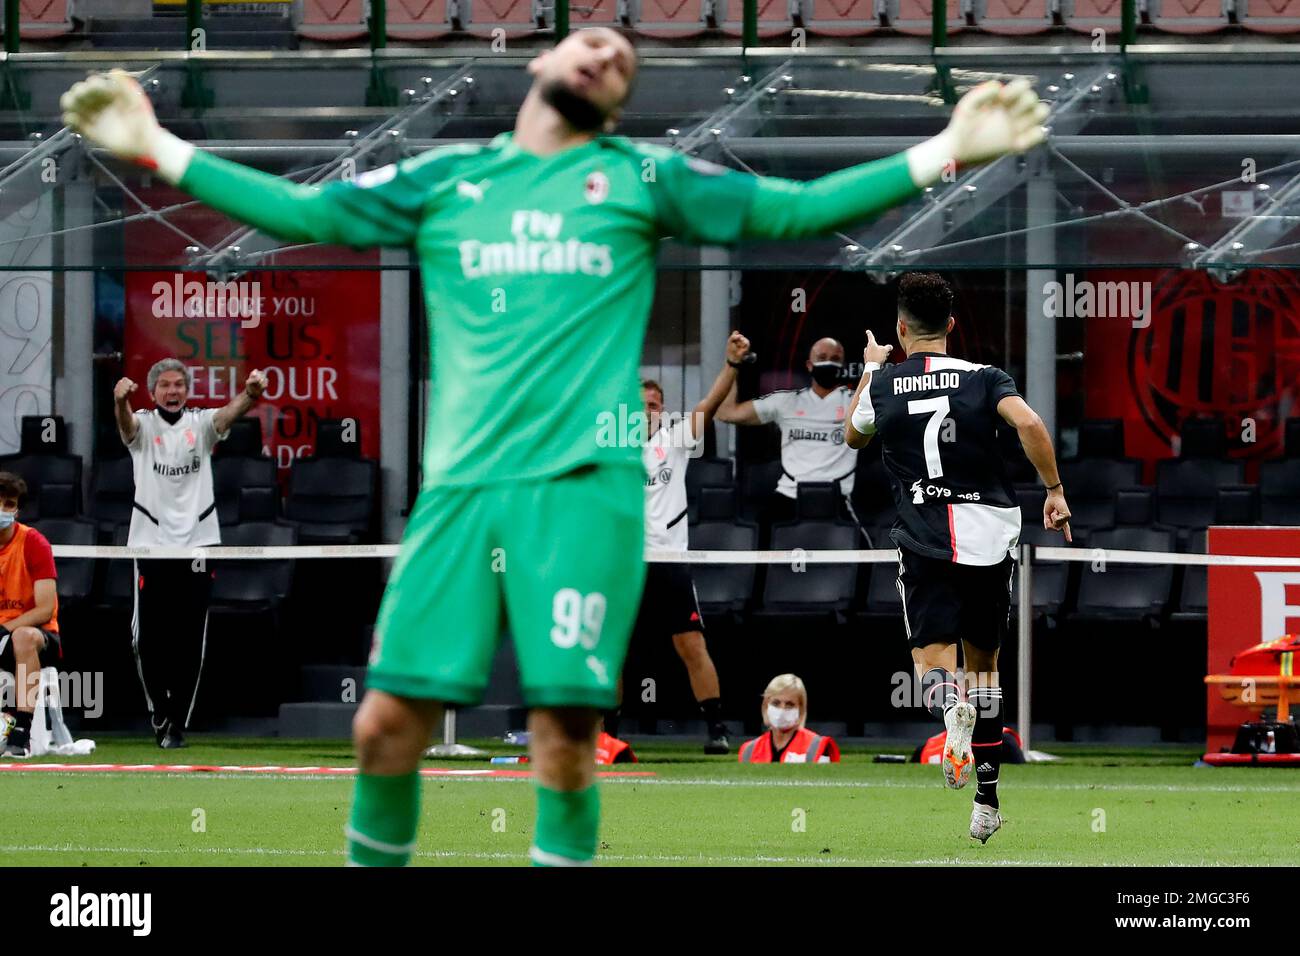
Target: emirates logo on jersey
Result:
[597, 188]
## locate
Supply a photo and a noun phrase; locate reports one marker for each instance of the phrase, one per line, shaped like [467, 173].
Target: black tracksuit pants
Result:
[169, 631]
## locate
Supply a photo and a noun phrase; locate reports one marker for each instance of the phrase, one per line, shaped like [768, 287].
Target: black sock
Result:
[611, 721]
[939, 691]
[986, 742]
[712, 709]
[21, 735]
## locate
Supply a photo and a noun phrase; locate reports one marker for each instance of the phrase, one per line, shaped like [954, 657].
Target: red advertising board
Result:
[1247, 606]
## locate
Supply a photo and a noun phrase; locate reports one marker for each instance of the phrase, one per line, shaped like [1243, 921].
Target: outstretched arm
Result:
[112, 111]
[990, 121]
[702, 203]
[723, 386]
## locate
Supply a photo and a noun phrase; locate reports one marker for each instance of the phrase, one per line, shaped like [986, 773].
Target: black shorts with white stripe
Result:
[945, 602]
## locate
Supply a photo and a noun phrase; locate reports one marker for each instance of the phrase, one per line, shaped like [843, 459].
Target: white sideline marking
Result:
[761, 784]
[522, 858]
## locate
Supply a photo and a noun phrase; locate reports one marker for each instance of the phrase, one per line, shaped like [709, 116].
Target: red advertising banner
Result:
[1205, 348]
[314, 333]
[1247, 606]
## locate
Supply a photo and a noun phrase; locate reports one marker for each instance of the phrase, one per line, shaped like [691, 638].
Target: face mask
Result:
[7, 518]
[782, 718]
[826, 374]
[171, 418]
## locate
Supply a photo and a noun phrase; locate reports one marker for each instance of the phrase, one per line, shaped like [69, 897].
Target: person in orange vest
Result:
[785, 709]
[29, 610]
[932, 750]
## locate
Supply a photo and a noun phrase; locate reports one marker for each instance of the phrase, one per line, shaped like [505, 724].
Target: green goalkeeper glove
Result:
[112, 111]
[991, 120]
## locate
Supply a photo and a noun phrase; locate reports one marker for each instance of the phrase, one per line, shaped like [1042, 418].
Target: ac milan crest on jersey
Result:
[597, 188]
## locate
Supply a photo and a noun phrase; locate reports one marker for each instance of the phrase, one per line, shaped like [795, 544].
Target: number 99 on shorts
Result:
[577, 618]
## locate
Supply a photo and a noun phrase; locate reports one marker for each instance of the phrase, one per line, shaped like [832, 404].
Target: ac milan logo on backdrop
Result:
[1231, 351]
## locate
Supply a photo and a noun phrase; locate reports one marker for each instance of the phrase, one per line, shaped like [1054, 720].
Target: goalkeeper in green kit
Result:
[537, 252]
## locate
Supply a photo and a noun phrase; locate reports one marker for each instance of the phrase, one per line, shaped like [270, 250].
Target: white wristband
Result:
[872, 366]
[172, 155]
[927, 161]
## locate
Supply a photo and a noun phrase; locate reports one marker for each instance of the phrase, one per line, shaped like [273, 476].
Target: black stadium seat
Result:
[1050, 579]
[1101, 438]
[1187, 489]
[254, 585]
[111, 492]
[724, 587]
[338, 438]
[1279, 492]
[53, 484]
[332, 500]
[76, 576]
[817, 500]
[1236, 505]
[708, 473]
[243, 441]
[1090, 486]
[816, 587]
[43, 435]
[1203, 438]
[1193, 597]
[711, 476]
[245, 489]
[119, 578]
[1110, 591]
[716, 504]
[757, 483]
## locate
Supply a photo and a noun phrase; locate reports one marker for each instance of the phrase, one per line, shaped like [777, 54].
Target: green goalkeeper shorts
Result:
[557, 563]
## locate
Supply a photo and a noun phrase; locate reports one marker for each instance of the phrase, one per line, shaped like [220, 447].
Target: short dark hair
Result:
[925, 303]
[12, 486]
[651, 383]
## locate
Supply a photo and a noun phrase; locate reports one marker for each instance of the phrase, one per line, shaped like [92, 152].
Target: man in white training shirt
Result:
[811, 420]
[668, 603]
[171, 453]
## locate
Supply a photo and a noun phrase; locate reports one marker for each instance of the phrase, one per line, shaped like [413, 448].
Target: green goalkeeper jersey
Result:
[539, 273]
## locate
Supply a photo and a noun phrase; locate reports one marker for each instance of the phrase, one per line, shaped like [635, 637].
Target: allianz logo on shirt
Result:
[176, 471]
[536, 249]
[833, 435]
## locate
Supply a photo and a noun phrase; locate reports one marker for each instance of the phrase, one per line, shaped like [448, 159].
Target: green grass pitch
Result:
[1097, 806]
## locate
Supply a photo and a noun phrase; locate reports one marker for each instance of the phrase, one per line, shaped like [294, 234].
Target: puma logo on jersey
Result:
[472, 190]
